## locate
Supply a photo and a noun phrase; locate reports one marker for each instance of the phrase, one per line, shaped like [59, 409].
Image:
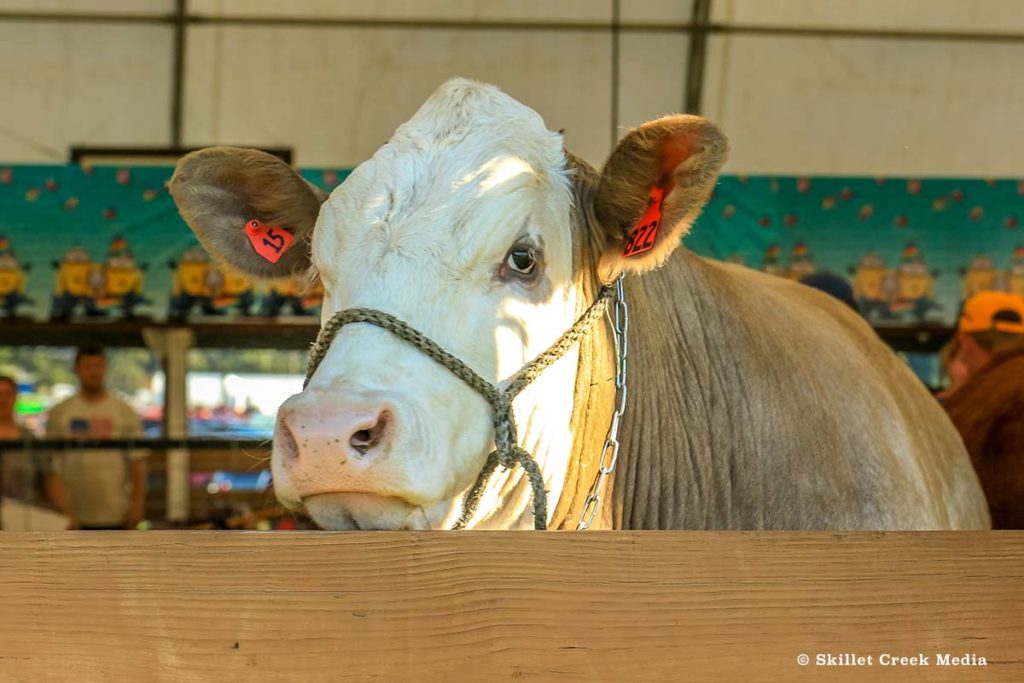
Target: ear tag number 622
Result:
[645, 233]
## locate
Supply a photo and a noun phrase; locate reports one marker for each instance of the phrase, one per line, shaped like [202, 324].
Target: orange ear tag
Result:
[644, 234]
[270, 242]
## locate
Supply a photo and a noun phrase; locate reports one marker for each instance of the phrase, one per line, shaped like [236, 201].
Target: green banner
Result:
[107, 242]
[912, 249]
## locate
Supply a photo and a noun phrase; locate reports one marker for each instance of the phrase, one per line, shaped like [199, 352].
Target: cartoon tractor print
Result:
[191, 285]
[981, 275]
[291, 294]
[79, 282]
[231, 289]
[771, 263]
[122, 281]
[914, 286]
[13, 277]
[1015, 274]
[801, 263]
[872, 286]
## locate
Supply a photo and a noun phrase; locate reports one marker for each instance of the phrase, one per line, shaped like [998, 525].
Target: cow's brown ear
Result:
[652, 188]
[222, 190]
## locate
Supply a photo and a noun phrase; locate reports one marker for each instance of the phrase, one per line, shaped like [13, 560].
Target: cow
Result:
[751, 402]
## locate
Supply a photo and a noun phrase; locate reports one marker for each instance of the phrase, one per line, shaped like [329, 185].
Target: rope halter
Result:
[507, 452]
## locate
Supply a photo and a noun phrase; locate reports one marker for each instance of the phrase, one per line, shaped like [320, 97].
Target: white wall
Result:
[527, 10]
[889, 15]
[66, 84]
[336, 94]
[137, 7]
[858, 106]
[333, 94]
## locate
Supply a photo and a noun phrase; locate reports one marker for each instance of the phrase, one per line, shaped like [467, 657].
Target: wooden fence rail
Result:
[481, 606]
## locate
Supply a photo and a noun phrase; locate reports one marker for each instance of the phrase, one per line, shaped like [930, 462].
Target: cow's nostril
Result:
[361, 441]
[365, 439]
[285, 444]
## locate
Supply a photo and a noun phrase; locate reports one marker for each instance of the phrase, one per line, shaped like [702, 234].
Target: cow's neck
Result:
[569, 462]
[593, 401]
[676, 468]
[594, 394]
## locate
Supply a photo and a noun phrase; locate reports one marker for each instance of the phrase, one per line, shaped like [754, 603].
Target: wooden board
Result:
[479, 606]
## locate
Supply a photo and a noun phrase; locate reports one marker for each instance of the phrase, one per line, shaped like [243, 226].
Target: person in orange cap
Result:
[987, 406]
[988, 322]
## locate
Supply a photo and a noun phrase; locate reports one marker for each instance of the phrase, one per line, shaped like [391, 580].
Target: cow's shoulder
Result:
[771, 381]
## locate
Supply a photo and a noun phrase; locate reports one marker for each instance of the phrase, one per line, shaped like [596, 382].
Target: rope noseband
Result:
[507, 452]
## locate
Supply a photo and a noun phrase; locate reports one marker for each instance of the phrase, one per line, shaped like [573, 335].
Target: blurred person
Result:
[22, 472]
[9, 428]
[988, 411]
[97, 489]
[986, 365]
[989, 322]
[835, 286]
[953, 367]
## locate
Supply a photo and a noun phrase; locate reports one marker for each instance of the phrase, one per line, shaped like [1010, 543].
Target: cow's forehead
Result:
[469, 149]
[462, 110]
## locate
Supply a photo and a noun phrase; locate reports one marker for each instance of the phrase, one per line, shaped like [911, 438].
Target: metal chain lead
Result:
[610, 451]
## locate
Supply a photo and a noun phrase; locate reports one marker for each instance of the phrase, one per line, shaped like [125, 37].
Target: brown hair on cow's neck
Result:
[588, 240]
[594, 395]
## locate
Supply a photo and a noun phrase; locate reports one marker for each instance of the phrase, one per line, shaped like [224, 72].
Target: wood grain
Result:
[480, 606]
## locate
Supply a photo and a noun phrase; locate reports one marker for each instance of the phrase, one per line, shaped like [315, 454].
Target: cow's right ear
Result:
[220, 190]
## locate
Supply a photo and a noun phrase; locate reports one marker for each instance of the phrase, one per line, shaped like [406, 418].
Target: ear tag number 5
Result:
[645, 233]
[269, 241]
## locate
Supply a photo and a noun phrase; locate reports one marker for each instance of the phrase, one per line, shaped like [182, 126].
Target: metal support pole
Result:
[616, 33]
[172, 346]
[178, 74]
[698, 50]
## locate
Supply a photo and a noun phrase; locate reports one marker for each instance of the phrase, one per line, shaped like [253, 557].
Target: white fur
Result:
[419, 231]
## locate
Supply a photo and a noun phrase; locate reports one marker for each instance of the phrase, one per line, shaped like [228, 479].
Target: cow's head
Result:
[473, 225]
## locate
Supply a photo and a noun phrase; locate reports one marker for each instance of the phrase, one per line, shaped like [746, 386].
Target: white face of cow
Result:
[458, 226]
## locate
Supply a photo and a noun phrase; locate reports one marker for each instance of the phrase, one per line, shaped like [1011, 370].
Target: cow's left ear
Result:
[652, 188]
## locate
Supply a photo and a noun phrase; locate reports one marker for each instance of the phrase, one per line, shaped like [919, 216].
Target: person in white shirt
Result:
[97, 489]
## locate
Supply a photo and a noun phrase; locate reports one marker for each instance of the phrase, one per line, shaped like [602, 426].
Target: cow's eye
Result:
[522, 260]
